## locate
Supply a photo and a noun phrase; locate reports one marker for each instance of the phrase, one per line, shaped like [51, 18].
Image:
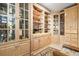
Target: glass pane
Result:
[12, 10]
[22, 34]
[3, 8]
[22, 5]
[26, 6]
[3, 22]
[26, 33]
[11, 34]
[11, 23]
[21, 24]
[26, 24]
[26, 14]
[12, 3]
[3, 35]
[21, 13]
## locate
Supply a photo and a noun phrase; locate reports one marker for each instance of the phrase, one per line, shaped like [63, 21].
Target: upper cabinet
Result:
[14, 21]
[23, 20]
[62, 22]
[71, 20]
[56, 24]
[37, 21]
[47, 22]
[7, 22]
[71, 25]
[41, 19]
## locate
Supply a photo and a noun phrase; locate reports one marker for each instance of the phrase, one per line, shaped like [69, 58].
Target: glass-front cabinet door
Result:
[23, 21]
[10, 23]
[7, 22]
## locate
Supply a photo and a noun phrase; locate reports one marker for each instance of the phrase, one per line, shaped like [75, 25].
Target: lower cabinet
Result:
[35, 44]
[40, 41]
[71, 39]
[15, 49]
[67, 39]
[62, 39]
[74, 40]
[23, 48]
[8, 50]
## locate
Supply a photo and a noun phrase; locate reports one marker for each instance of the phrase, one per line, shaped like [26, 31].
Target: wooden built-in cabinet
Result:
[40, 41]
[22, 28]
[78, 25]
[18, 48]
[14, 29]
[40, 27]
[55, 28]
[62, 27]
[71, 18]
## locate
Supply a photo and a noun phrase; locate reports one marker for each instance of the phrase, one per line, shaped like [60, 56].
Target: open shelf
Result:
[37, 20]
[46, 22]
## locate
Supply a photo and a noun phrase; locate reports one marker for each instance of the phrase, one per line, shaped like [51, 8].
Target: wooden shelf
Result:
[46, 21]
[36, 20]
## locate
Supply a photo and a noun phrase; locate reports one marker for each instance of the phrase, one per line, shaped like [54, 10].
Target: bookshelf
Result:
[37, 23]
[47, 22]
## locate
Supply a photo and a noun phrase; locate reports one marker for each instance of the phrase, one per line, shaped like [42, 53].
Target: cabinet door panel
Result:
[24, 48]
[74, 36]
[78, 25]
[62, 39]
[35, 44]
[8, 51]
[42, 41]
[67, 39]
[67, 20]
[71, 25]
[73, 18]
